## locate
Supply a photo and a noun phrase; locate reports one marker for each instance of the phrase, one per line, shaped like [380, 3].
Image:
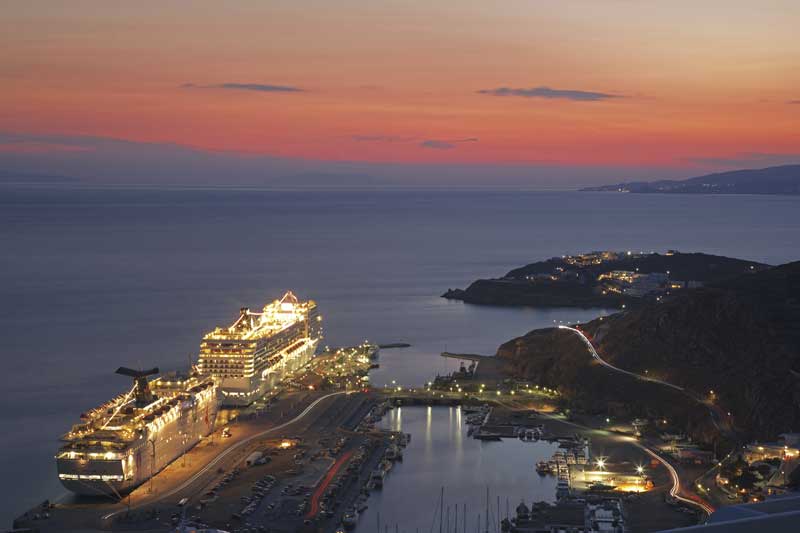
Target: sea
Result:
[93, 278]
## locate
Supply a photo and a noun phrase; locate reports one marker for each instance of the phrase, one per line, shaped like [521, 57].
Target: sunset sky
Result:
[674, 87]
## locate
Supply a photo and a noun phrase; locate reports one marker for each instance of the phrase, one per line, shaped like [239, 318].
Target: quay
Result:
[259, 468]
[466, 356]
[306, 458]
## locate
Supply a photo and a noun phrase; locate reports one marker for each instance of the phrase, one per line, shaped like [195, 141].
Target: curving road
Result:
[605, 363]
[676, 482]
[225, 453]
[675, 491]
[715, 412]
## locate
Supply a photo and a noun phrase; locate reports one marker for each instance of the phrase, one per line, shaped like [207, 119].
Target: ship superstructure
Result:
[261, 348]
[127, 440]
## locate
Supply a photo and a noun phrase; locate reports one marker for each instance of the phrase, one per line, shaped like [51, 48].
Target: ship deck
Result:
[201, 466]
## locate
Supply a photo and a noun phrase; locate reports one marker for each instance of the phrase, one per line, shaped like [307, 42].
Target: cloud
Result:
[258, 87]
[432, 144]
[547, 92]
[438, 144]
[793, 102]
[381, 138]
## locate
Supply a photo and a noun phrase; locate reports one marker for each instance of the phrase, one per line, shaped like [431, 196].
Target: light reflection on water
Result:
[163, 266]
[441, 454]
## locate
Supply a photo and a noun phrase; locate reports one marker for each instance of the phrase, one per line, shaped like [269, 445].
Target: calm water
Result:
[94, 279]
[441, 454]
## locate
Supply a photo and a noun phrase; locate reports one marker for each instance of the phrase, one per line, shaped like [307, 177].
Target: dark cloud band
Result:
[258, 87]
[547, 92]
[438, 144]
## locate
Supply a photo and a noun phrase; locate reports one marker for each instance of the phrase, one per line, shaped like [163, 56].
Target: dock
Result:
[466, 356]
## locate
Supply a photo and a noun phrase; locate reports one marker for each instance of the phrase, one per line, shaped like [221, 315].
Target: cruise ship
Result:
[126, 441]
[260, 349]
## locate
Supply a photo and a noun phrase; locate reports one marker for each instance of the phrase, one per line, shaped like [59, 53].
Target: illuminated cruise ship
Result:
[261, 348]
[126, 441]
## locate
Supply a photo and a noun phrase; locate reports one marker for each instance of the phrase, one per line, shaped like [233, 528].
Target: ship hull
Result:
[143, 457]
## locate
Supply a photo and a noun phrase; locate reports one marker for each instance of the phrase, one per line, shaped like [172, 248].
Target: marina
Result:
[441, 453]
[359, 455]
[149, 306]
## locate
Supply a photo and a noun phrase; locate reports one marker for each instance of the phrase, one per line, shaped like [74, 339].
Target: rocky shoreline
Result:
[606, 279]
[521, 293]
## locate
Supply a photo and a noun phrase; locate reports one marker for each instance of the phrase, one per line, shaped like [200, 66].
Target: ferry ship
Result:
[126, 441]
[260, 349]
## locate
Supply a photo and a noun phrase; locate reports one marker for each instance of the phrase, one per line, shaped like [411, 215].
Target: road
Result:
[675, 491]
[721, 421]
[606, 364]
[676, 482]
[225, 453]
[676, 488]
[326, 481]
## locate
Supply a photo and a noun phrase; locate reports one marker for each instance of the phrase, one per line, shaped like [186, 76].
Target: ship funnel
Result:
[143, 394]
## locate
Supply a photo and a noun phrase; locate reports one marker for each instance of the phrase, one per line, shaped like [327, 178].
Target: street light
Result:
[640, 470]
[601, 463]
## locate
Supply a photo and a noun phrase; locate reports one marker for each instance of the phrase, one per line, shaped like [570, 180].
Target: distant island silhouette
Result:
[783, 179]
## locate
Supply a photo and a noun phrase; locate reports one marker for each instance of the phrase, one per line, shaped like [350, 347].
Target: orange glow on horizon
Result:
[382, 83]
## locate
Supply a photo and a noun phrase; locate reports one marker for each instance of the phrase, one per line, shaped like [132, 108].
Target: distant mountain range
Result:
[773, 180]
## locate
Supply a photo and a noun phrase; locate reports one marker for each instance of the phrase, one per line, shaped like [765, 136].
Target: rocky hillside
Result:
[515, 288]
[739, 338]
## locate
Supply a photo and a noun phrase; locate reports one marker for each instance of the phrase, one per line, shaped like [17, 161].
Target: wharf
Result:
[412, 399]
[466, 356]
[303, 417]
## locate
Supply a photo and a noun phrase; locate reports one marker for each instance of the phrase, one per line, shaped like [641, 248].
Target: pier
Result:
[466, 356]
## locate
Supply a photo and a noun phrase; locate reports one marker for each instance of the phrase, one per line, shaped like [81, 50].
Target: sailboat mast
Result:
[441, 510]
[487, 509]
